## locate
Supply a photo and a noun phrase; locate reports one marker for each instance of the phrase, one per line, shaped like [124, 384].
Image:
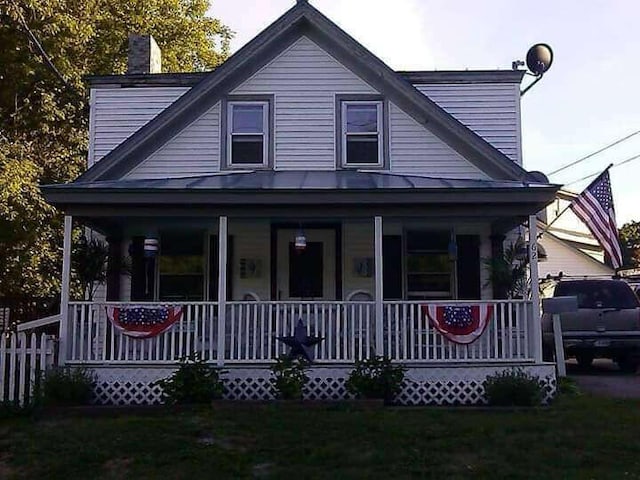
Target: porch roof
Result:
[341, 186]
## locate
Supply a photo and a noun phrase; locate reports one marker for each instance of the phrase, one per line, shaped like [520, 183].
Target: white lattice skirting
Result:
[435, 385]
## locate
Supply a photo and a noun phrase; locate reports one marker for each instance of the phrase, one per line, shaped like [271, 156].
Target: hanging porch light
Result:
[300, 243]
[151, 247]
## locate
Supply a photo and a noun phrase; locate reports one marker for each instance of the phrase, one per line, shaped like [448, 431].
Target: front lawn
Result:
[580, 438]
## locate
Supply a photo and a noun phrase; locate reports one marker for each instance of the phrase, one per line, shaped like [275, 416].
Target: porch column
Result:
[64, 291]
[379, 285]
[222, 286]
[535, 291]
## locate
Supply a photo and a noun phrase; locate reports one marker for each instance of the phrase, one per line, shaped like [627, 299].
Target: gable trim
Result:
[301, 20]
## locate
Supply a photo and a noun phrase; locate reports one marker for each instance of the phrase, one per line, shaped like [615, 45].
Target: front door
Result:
[310, 274]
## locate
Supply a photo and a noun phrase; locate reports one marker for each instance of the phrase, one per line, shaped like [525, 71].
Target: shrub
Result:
[514, 387]
[568, 386]
[195, 381]
[376, 378]
[289, 377]
[66, 386]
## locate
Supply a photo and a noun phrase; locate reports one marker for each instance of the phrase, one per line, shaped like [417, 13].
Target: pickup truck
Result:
[606, 325]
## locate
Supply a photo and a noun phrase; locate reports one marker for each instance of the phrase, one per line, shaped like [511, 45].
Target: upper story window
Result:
[362, 133]
[248, 134]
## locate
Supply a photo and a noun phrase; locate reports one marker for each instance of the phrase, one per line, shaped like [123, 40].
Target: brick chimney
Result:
[144, 55]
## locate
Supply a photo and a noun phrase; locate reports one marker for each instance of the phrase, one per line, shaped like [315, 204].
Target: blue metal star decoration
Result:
[300, 343]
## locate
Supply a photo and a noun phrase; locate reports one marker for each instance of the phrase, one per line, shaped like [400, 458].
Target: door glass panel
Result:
[305, 271]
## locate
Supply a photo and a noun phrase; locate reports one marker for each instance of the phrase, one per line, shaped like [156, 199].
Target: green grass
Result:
[580, 437]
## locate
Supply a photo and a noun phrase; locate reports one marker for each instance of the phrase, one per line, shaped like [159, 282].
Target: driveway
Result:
[604, 379]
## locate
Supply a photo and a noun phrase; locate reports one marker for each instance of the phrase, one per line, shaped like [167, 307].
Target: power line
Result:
[595, 153]
[43, 54]
[597, 173]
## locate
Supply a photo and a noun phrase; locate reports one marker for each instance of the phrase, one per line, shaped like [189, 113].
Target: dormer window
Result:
[248, 134]
[362, 127]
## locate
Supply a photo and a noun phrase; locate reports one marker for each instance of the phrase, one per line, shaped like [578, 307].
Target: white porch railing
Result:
[409, 336]
[94, 339]
[252, 328]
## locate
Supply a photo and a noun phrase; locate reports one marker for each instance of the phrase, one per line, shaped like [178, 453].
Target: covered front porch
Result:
[373, 268]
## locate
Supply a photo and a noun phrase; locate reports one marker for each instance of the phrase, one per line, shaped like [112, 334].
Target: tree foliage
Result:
[630, 239]
[44, 113]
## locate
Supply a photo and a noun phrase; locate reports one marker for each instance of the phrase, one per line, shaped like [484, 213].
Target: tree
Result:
[47, 48]
[630, 240]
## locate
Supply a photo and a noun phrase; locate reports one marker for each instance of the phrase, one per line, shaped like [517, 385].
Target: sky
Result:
[587, 100]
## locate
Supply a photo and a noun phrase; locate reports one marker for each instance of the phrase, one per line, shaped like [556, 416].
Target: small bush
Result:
[376, 378]
[514, 388]
[567, 386]
[289, 377]
[194, 382]
[67, 386]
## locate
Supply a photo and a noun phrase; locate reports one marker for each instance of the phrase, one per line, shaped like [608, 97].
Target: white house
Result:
[303, 179]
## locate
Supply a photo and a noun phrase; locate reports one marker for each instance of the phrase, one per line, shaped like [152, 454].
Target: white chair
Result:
[359, 296]
[250, 297]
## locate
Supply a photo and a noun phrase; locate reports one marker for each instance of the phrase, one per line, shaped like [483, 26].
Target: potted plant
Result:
[376, 378]
[508, 272]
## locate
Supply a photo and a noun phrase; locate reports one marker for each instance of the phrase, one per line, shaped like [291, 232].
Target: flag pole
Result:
[548, 226]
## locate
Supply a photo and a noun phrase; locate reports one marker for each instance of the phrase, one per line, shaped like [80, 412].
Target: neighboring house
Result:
[303, 179]
[571, 249]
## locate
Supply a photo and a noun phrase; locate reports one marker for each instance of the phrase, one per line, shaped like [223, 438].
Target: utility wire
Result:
[635, 157]
[595, 153]
[43, 54]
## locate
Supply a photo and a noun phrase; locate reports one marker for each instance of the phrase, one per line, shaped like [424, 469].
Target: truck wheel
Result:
[585, 359]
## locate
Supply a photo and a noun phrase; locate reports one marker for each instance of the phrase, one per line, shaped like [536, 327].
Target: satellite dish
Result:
[539, 58]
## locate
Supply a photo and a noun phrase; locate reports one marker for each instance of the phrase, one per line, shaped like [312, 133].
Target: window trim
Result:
[226, 134]
[345, 134]
[383, 130]
[265, 133]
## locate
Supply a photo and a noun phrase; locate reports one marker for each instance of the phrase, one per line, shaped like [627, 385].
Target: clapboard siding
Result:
[251, 240]
[358, 243]
[304, 80]
[116, 113]
[563, 258]
[193, 151]
[415, 150]
[490, 110]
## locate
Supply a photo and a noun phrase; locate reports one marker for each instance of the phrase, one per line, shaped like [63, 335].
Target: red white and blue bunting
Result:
[143, 322]
[462, 324]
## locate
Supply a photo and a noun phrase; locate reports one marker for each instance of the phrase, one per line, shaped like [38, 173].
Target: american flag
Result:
[594, 207]
[462, 324]
[143, 322]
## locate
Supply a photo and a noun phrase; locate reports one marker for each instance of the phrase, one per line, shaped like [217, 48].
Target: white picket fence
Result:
[23, 359]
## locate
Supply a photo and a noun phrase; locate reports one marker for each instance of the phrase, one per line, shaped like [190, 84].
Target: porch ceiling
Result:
[342, 188]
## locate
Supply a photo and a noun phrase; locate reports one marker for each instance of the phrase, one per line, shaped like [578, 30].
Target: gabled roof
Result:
[301, 20]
